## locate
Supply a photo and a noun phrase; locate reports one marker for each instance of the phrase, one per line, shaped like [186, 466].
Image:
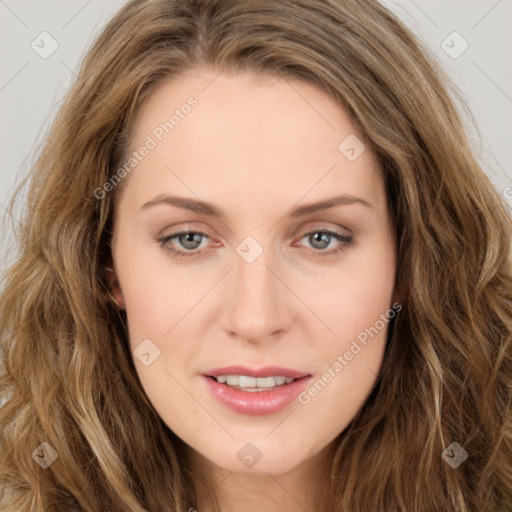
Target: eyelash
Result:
[346, 242]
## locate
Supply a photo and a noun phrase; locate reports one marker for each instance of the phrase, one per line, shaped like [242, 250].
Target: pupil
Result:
[322, 238]
[191, 238]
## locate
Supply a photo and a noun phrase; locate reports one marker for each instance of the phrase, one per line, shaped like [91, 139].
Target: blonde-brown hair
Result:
[447, 374]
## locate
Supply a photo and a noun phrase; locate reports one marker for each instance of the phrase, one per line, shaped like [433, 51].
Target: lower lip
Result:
[257, 402]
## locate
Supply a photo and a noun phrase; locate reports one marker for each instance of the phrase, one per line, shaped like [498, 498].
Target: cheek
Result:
[353, 298]
[349, 363]
[156, 292]
[357, 308]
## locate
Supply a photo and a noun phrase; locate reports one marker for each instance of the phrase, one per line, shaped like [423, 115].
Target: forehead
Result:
[274, 135]
[248, 107]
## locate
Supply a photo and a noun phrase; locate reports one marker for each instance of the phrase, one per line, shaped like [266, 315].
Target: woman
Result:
[260, 269]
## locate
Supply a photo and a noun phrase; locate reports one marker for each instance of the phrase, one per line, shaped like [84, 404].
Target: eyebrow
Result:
[205, 208]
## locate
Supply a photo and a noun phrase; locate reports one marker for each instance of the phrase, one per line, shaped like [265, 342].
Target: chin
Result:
[258, 458]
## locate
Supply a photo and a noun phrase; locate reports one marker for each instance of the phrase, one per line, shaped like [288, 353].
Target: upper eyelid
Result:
[316, 226]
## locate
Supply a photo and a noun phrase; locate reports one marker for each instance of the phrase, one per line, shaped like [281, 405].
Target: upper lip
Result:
[267, 371]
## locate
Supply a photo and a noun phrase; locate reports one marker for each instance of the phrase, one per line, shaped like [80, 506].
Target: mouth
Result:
[253, 384]
[256, 392]
[249, 379]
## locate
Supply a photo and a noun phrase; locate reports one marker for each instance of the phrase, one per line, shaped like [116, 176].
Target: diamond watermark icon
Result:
[351, 147]
[44, 45]
[454, 45]
[44, 455]
[249, 249]
[146, 352]
[249, 455]
[454, 455]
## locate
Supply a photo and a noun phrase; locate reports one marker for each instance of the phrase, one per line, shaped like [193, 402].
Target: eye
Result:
[320, 240]
[188, 239]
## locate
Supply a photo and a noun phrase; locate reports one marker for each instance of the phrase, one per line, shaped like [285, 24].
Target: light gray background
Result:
[31, 88]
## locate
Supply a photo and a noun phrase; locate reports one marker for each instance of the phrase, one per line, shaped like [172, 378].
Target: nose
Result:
[257, 305]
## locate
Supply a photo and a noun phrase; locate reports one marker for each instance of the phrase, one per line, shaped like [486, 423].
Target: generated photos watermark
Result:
[344, 359]
[151, 142]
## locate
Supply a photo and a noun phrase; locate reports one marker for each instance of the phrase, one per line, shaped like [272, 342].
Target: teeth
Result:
[246, 383]
[232, 380]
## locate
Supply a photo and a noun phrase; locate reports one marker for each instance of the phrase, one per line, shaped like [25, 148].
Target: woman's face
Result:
[279, 277]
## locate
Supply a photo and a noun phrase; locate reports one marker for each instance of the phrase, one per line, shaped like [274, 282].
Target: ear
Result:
[115, 289]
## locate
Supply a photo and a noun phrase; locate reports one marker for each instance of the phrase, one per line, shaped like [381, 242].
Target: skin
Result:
[255, 147]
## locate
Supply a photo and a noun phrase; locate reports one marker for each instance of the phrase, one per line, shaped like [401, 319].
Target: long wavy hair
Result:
[68, 375]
